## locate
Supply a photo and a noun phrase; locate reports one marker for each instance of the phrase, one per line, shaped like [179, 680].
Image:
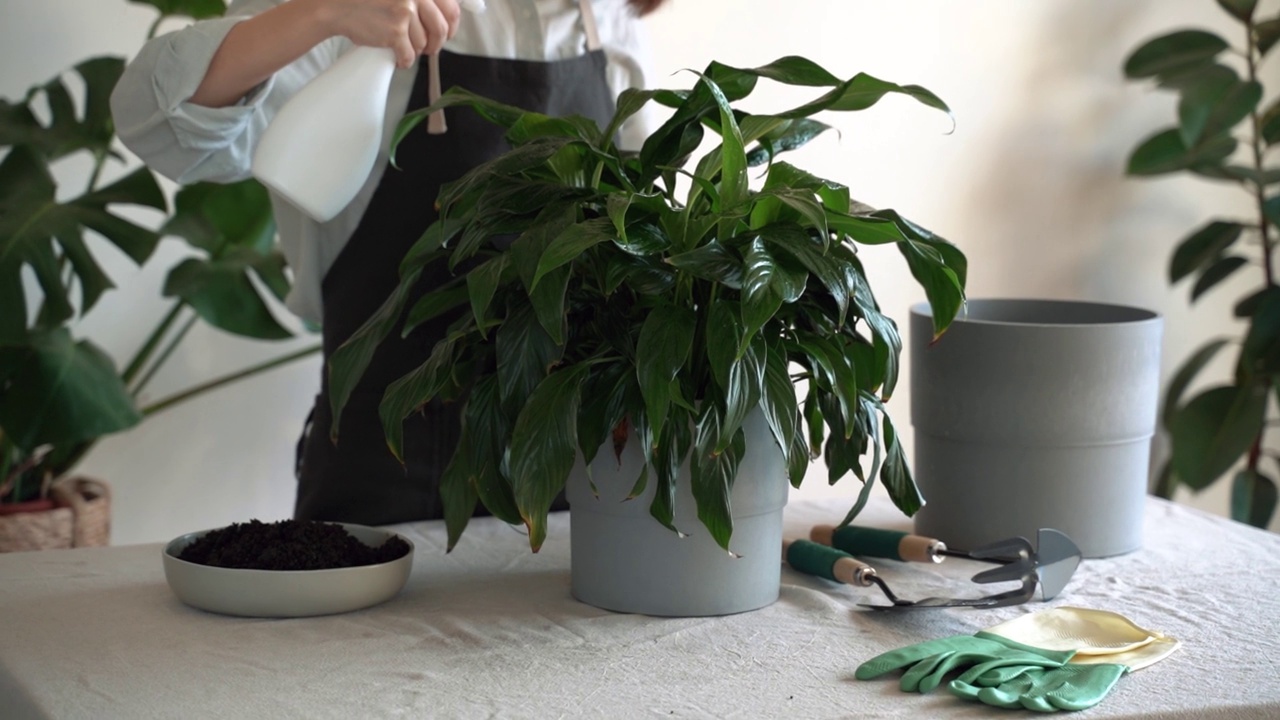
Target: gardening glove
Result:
[1106, 645]
[927, 664]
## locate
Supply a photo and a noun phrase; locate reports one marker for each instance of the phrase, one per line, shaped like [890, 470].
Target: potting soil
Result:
[288, 545]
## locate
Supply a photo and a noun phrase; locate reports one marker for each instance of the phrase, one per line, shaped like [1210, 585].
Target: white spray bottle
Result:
[318, 150]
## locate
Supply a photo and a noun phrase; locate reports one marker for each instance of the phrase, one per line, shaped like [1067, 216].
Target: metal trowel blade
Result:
[1057, 558]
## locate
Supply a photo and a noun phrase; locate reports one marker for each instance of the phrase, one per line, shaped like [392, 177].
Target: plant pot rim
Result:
[27, 506]
[1044, 313]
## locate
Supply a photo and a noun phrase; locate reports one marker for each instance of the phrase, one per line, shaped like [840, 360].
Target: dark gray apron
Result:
[358, 480]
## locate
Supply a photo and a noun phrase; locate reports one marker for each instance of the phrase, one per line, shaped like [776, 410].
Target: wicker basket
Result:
[81, 518]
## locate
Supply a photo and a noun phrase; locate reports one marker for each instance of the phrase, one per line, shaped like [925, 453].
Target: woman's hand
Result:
[409, 27]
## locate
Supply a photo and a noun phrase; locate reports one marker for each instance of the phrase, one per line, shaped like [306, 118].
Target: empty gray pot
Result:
[1035, 413]
[622, 559]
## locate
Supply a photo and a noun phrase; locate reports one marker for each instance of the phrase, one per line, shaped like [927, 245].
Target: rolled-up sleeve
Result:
[187, 142]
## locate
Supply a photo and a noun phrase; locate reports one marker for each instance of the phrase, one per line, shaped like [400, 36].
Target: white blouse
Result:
[190, 143]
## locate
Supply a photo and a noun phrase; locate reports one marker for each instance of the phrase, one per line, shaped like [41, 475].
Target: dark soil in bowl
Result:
[288, 545]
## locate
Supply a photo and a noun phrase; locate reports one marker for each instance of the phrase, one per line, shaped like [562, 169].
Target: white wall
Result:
[1030, 184]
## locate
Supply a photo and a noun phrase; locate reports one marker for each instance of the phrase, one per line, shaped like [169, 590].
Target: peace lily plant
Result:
[627, 304]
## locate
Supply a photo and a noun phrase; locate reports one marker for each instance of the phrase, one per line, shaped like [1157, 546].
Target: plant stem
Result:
[144, 353]
[216, 383]
[99, 159]
[1260, 196]
[164, 355]
[155, 27]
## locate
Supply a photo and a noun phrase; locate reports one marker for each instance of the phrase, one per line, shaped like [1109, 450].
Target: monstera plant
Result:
[59, 392]
[1224, 133]
[655, 294]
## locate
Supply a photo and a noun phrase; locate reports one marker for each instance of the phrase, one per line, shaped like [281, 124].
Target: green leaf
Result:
[1260, 355]
[482, 282]
[526, 353]
[222, 294]
[1270, 123]
[349, 361]
[840, 380]
[451, 295]
[58, 390]
[743, 390]
[809, 252]
[571, 243]
[666, 457]
[665, 340]
[723, 338]
[548, 303]
[778, 400]
[66, 133]
[1241, 10]
[1248, 305]
[1220, 270]
[1199, 249]
[414, 389]
[767, 284]
[1271, 209]
[895, 475]
[543, 447]
[712, 474]
[458, 495]
[1253, 498]
[1165, 152]
[786, 136]
[1266, 33]
[197, 9]
[942, 286]
[488, 429]
[1173, 53]
[1212, 431]
[603, 408]
[1214, 104]
[1185, 375]
[733, 174]
[710, 261]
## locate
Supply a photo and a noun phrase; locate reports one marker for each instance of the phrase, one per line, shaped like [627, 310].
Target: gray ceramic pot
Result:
[624, 560]
[1035, 413]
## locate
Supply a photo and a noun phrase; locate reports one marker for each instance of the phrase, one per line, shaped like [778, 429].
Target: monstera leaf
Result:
[198, 9]
[66, 132]
[233, 226]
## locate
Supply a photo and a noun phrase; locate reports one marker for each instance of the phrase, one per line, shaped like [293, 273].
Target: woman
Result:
[193, 104]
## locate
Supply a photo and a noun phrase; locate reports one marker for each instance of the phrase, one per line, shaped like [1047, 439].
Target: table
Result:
[491, 631]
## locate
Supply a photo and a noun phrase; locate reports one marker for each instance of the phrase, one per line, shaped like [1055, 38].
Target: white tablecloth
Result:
[491, 631]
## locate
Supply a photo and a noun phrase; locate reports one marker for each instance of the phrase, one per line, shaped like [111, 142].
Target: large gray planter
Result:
[1035, 413]
[624, 560]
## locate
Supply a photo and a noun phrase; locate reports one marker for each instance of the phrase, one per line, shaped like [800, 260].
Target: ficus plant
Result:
[631, 303]
[1224, 132]
[60, 393]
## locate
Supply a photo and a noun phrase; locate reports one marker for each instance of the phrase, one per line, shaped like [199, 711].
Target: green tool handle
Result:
[875, 542]
[827, 562]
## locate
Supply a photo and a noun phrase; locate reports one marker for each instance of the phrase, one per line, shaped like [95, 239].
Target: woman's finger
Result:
[436, 26]
[452, 12]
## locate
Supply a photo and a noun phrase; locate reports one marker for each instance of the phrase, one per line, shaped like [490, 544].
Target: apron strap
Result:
[435, 122]
[589, 25]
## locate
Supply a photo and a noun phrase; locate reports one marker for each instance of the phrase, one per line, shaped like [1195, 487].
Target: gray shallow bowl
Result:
[286, 593]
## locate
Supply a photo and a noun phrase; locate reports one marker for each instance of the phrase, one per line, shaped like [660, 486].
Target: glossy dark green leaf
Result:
[1219, 270]
[487, 425]
[743, 390]
[942, 286]
[778, 400]
[603, 408]
[895, 474]
[630, 102]
[663, 348]
[1212, 431]
[414, 389]
[840, 380]
[1173, 53]
[492, 110]
[643, 239]
[217, 217]
[768, 282]
[1199, 249]
[198, 9]
[450, 296]
[1248, 305]
[525, 352]
[724, 336]
[861, 92]
[786, 136]
[1165, 152]
[710, 261]
[865, 230]
[349, 361]
[548, 300]
[1253, 498]
[458, 495]
[222, 294]
[1260, 355]
[59, 390]
[571, 243]
[543, 447]
[67, 131]
[808, 251]
[1241, 10]
[529, 246]
[1185, 375]
[1270, 123]
[666, 459]
[1215, 105]
[712, 474]
[482, 282]
[1266, 34]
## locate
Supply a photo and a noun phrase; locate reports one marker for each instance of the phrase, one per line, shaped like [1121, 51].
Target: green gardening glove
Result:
[927, 664]
[1069, 687]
